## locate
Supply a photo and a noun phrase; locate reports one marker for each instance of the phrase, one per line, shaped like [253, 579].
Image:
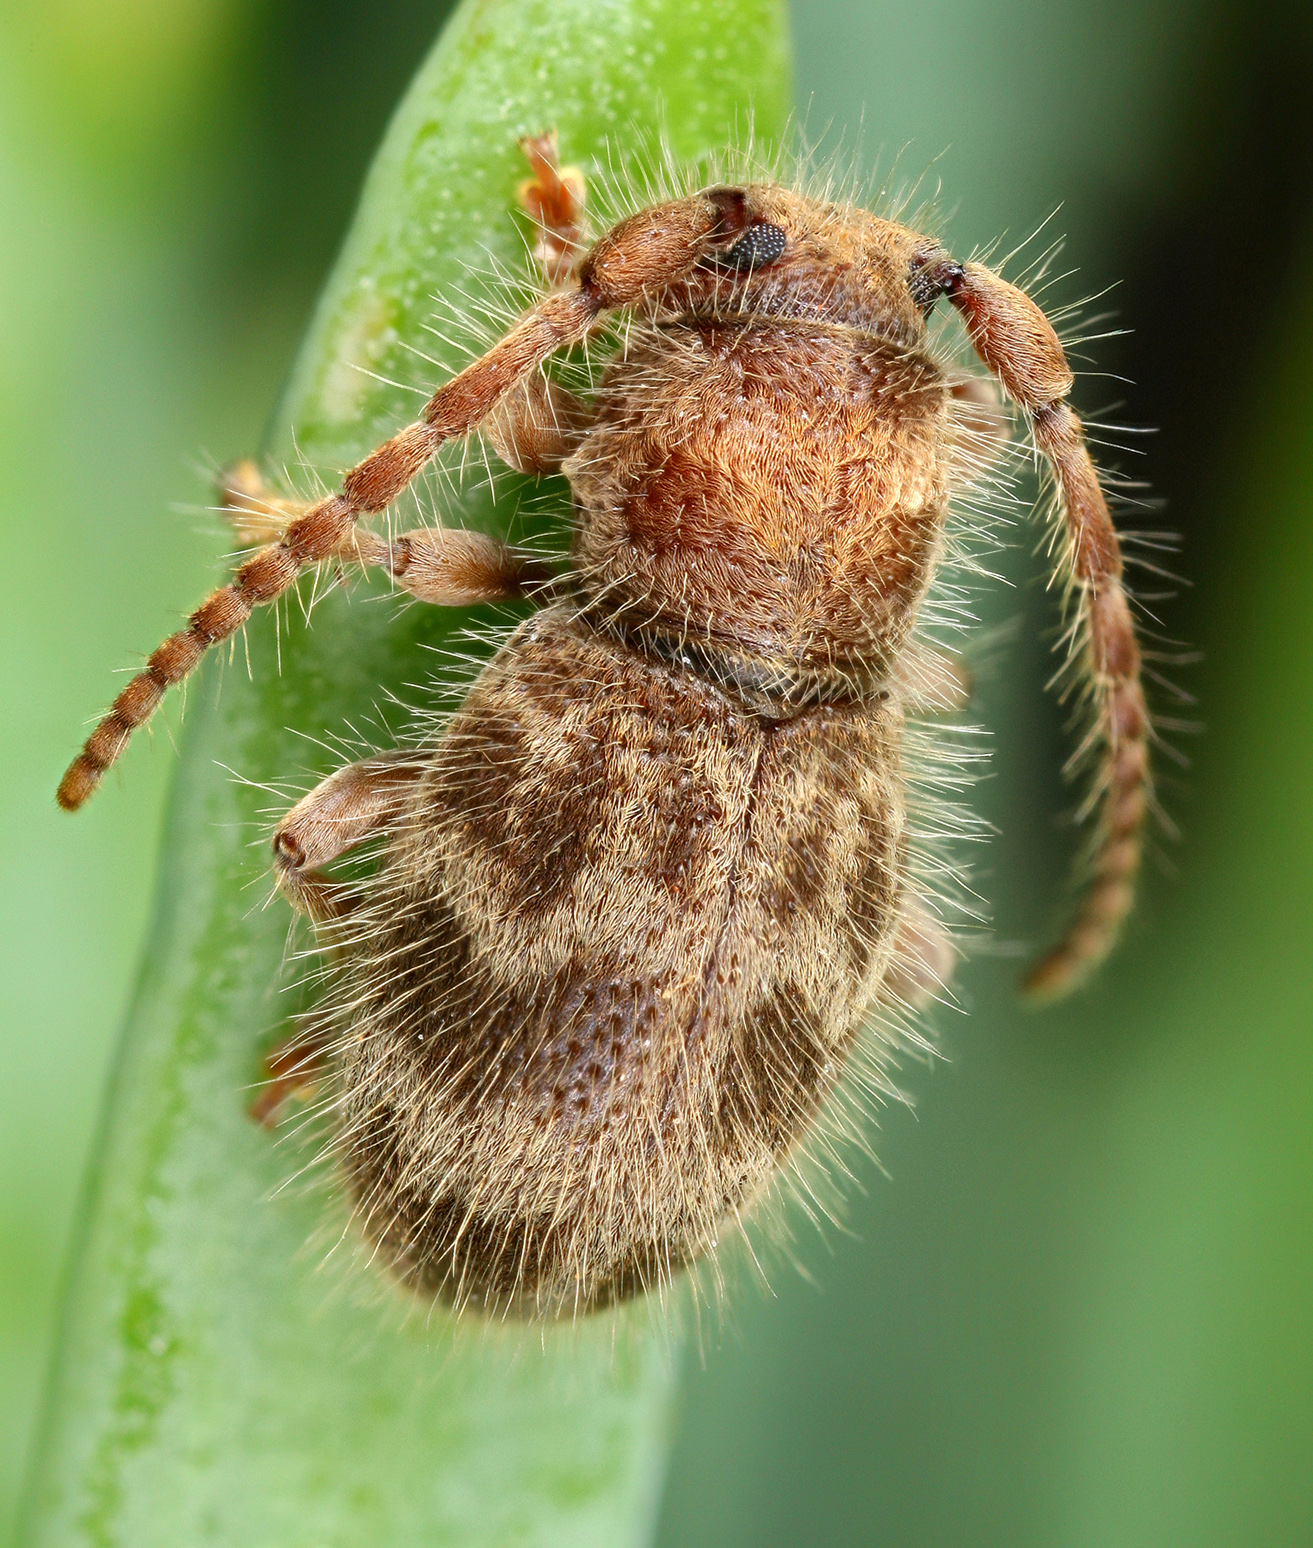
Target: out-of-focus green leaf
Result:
[223, 1377]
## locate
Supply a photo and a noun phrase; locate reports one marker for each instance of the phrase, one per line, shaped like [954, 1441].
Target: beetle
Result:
[642, 892]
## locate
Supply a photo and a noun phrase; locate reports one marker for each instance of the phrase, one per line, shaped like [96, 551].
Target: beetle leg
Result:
[292, 1070]
[981, 422]
[554, 198]
[257, 514]
[357, 803]
[537, 425]
[449, 567]
[445, 566]
[923, 959]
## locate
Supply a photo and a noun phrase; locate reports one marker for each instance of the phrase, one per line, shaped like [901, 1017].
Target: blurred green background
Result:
[1079, 1307]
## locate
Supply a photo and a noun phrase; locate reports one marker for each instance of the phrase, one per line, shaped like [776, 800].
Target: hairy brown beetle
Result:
[641, 894]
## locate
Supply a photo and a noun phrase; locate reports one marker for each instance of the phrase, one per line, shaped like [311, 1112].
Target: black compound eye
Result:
[759, 245]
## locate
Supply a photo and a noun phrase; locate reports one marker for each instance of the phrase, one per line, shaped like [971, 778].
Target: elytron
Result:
[645, 896]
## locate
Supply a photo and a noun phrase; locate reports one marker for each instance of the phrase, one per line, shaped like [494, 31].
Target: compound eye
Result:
[760, 244]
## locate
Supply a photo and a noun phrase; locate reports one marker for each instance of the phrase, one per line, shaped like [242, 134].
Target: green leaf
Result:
[229, 1371]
